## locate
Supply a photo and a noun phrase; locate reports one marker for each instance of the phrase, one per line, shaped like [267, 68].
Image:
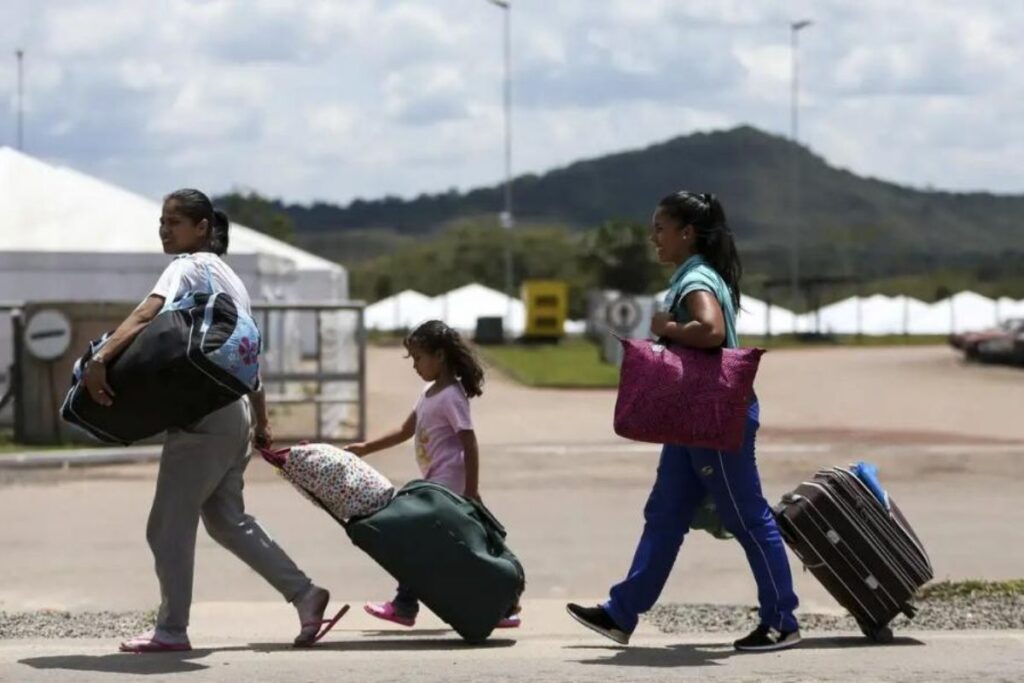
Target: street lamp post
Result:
[795, 220]
[507, 219]
[20, 55]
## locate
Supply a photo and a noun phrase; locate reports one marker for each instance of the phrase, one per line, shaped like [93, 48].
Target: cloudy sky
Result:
[337, 99]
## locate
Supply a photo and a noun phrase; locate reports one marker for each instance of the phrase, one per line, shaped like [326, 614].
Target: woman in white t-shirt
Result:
[202, 465]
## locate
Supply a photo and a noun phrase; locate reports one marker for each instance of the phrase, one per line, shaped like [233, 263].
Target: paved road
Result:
[947, 437]
[548, 648]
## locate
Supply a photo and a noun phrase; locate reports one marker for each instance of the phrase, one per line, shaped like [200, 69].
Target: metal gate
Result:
[313, 367]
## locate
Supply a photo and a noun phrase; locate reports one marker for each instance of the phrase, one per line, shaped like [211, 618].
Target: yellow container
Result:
[547, 306]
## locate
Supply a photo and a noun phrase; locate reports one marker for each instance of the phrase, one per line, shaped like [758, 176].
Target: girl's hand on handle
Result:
[360, 448]
[659, 323]
[95, 381]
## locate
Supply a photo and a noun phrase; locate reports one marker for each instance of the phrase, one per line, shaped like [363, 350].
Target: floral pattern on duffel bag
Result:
[342, 481]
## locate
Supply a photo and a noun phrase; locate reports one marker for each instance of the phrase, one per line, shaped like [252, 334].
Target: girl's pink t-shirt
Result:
[439, 419]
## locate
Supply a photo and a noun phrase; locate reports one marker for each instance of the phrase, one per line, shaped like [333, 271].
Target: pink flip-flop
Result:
[512, 621]
[147, 642]
[386, 611]
[325, 626]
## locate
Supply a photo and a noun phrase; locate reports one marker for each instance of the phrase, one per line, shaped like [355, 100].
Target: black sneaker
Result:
[764, 638]
[596, 619]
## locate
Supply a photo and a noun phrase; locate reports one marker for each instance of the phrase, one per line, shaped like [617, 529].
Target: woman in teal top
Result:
[690, 231]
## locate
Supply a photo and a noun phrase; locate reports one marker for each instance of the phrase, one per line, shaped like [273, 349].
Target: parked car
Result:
[969, 342]
[1008, 349]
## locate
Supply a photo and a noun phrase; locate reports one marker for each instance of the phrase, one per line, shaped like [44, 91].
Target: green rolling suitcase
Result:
[449, 551]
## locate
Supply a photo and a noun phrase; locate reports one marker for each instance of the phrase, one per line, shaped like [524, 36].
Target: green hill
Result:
[750, 170]
[846, 223]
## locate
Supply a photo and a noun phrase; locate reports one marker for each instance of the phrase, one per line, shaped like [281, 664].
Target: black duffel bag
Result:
[198, 355]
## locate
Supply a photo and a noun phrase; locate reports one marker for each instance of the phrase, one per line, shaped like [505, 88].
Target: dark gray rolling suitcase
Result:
[862, 550]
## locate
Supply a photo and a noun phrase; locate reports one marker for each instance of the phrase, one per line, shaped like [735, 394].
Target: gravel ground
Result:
[952, 614]
[54, 624]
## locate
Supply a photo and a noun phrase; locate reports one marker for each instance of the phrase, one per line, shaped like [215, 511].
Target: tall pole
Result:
[795, 219]
[507, 219]
[20, 54]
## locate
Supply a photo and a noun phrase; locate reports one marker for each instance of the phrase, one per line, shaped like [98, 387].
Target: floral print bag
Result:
[341, 481]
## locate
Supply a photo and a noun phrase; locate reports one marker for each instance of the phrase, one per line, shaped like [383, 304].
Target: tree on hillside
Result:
[259, 213]
[472, 251]
[618, 256]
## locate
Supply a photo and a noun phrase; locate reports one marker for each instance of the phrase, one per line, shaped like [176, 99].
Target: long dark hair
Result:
[433, 336]
[714, 237]
[198, 206]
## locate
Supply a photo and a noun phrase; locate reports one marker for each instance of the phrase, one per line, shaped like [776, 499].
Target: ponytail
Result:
[219, 233]
[715, 240]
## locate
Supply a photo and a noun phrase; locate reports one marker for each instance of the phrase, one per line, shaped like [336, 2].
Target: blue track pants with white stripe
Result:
[685, 476]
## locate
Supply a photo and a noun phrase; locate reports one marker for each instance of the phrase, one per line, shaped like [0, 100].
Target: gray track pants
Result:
[201, 470]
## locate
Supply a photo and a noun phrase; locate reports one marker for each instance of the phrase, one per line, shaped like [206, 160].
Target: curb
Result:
[86, 457]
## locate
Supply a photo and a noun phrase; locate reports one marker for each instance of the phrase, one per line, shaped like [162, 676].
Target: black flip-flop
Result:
[325, 626]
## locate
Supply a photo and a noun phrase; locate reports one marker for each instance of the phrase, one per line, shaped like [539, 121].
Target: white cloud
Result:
[86, 30]
[332, 120]
[333, 100]
[426, 95]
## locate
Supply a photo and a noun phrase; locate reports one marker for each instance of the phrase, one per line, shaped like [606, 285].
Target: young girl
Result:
[445, 443]
[690, 231]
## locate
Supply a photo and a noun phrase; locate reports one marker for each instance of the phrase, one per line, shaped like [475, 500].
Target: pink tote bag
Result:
[679, 395]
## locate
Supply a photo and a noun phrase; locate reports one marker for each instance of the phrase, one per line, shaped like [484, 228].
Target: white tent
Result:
[70, 237]
[936, 319]
[50, 211]
[757, 318]
[461, 307]
[400, 311]
[963, 312]
[902, 310]
[809, 322]
[973, 312]
[841, 317]
[874, 315]
[1009, 309]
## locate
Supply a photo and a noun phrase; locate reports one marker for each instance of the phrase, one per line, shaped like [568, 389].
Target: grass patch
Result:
[791, 341]
[382, 338]
[576, 363]
[9, 445]
[571, 363]
[973, 588]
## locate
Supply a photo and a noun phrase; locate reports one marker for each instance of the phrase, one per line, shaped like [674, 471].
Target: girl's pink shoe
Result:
[386, 611]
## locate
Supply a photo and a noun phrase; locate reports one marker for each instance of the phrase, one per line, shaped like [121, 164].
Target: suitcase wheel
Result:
[877, 634]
